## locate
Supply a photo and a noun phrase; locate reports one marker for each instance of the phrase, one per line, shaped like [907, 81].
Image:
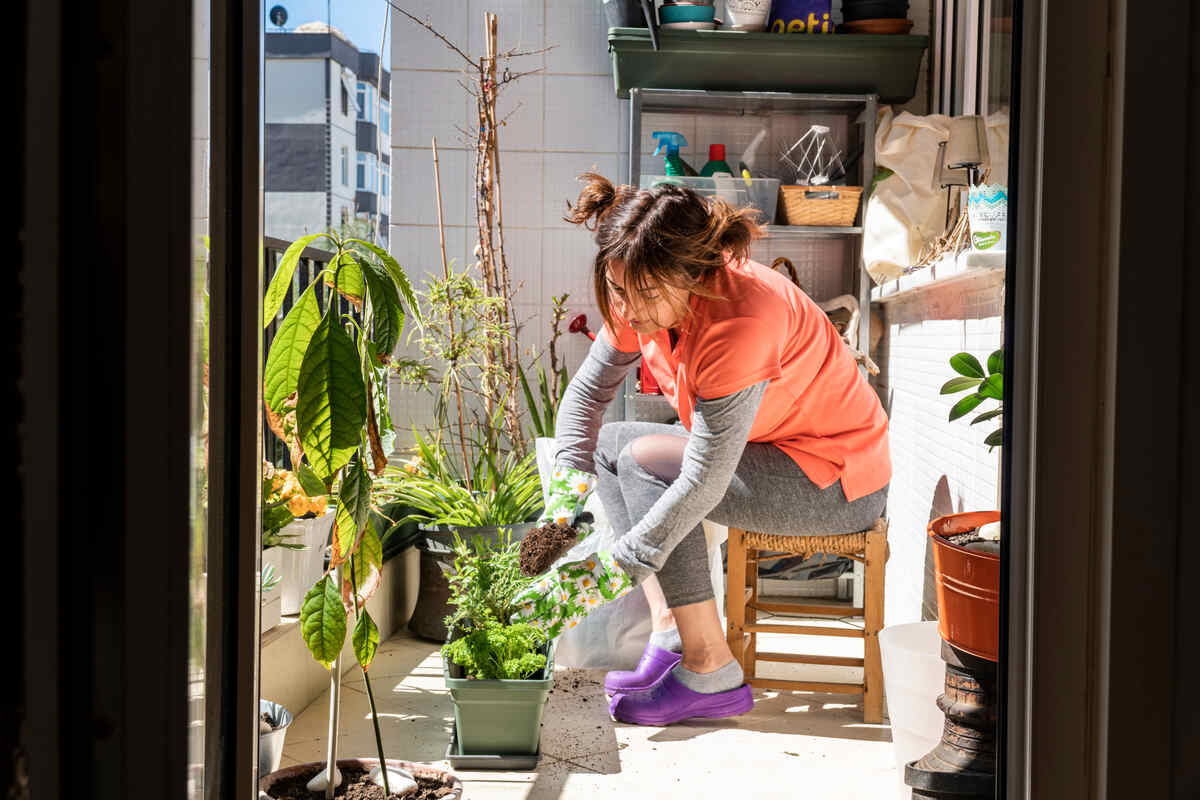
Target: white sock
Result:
[725, 679]
[667, 640]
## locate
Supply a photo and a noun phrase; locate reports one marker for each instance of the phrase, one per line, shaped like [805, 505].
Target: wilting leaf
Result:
[323, 621]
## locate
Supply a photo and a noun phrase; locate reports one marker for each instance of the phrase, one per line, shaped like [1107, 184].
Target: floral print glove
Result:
[568, 490]
[560, 599]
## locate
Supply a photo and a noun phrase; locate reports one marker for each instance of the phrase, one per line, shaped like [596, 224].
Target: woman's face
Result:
[648, 310]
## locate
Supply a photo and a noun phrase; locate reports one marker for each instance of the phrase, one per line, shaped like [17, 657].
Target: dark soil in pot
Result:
[542, 547]
[291, 783]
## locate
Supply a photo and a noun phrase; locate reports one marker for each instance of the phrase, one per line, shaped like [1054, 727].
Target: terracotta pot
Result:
[266, 782]
[968, 586]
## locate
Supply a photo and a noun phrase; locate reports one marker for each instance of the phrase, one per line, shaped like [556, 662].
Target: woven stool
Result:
[742, 607]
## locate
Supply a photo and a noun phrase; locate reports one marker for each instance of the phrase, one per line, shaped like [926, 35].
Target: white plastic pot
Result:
[300, 569]
[913, 677]
[271, 600]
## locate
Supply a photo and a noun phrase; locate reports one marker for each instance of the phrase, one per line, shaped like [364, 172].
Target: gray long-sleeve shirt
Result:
[719, 430]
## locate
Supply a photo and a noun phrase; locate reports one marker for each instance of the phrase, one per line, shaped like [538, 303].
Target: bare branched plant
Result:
[484, 78]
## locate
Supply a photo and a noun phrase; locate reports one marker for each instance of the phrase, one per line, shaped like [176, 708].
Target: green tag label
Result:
[985, 239]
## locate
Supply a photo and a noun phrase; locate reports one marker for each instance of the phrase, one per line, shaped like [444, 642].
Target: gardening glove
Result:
[568, 490]
[560, 599]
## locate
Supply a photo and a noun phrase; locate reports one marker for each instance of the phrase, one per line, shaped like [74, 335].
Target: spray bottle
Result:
[673, 164]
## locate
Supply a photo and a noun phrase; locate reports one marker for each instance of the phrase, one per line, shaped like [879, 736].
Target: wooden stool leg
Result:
[876, 558]
[749, 661]
[735, 595]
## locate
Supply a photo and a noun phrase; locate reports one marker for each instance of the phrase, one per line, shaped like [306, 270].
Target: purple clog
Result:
[670, 701]
[656, 662]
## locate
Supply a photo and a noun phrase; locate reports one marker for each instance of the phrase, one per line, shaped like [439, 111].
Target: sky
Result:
[361, 20]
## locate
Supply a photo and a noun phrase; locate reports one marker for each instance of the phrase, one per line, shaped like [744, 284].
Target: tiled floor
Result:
[793, 744]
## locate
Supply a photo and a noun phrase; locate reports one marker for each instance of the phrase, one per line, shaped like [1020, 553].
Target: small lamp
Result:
[963, 157]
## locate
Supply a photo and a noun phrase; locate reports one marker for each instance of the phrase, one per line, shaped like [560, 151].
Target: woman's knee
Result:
[660, 454]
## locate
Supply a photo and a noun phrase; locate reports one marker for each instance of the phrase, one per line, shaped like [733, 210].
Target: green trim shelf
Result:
[768, 62]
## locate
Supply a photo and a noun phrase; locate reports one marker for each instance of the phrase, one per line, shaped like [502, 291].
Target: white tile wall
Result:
[413, 47]
[428, 104]
[575, 29]
[520, 27]
[414, 198]
[939, 466]
[581, 114]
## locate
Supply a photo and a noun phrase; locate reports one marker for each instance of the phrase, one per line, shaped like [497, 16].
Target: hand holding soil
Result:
[543, 546]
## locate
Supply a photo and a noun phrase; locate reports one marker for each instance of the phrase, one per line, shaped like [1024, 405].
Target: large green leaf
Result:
[366, 639]
[309, 482]
[331, 405]
[348, 275]
[995, 438]
[996, 362]
[387, 313]
[281, 282]
[955, 385]
[965, 406]
[323, 621]
[397, 273]
[993, 387]
[968, 365]
[353, 509]
[985, 416]
[282, 371]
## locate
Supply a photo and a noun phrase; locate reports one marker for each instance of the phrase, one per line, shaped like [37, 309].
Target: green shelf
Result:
[768, 62]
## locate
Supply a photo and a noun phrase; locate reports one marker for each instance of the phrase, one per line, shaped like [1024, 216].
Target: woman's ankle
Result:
[662, 622]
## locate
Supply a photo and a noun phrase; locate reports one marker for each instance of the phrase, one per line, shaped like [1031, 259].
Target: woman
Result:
[781, 434]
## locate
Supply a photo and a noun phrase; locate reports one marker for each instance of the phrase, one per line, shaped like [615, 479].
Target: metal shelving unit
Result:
[643, 100]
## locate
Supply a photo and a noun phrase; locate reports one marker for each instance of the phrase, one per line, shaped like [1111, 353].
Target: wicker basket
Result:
[826, 206]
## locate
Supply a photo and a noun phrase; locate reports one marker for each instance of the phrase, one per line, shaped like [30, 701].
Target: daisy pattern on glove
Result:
[566, 493]
[575, 589]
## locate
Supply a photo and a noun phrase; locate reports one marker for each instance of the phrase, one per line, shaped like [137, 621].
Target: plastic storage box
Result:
[760, 193]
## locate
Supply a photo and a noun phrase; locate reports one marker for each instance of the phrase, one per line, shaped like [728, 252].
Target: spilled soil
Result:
[542, 547]
[356, 787]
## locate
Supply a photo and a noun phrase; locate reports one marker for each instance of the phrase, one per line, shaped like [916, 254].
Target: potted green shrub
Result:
[325, 389]
[466, 475]
[499, 673]
[966, 555]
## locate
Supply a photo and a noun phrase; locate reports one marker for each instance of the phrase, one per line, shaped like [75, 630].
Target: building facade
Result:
[327, 120]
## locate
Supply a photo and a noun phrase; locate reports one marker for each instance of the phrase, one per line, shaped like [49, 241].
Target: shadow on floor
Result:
[822, 715]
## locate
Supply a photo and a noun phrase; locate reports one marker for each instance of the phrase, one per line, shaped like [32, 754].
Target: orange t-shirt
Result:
[817, 407]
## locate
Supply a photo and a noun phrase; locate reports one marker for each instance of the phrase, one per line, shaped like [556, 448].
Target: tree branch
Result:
[429, 27]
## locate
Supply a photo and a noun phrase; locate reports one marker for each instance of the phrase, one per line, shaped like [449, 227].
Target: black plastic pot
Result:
[874, 9]
[624, 13]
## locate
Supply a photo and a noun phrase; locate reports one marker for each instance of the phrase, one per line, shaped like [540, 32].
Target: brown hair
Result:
[664, 236]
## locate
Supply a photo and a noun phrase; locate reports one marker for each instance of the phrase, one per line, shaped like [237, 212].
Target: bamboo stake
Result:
[335, 691]
[462, 428]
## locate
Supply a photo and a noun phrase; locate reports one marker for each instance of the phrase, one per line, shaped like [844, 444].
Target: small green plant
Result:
[552, 386]
[506, 490]
[484, 585]
[983, 385]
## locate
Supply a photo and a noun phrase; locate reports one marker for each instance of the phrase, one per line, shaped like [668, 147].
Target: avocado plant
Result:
[325, 388]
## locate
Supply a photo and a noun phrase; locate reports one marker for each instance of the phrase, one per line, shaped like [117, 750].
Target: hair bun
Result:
[595, 200]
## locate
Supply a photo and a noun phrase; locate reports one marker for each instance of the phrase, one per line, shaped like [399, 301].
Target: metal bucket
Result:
[270, 745]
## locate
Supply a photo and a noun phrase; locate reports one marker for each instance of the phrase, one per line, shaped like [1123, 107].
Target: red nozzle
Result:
[716, 152]
[579, 325]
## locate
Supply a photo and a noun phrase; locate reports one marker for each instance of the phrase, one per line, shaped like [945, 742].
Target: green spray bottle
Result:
[673, 164]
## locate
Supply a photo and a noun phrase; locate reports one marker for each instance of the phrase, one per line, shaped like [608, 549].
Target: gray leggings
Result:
[768, 493]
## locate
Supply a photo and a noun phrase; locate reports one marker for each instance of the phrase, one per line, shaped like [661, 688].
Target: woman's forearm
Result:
[580, 415]
[720, 429]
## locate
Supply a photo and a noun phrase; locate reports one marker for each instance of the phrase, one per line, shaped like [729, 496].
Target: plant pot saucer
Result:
[267, 782]
[458, 760]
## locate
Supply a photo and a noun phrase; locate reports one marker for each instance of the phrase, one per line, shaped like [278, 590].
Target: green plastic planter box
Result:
[498, 717]
[740, 61]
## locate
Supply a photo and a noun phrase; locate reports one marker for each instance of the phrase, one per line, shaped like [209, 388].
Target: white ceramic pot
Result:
[913, 677]
[300, 569]
[271, 599]
[747, 15]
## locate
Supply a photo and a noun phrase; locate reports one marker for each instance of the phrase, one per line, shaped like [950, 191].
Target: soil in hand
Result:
[542, 547]
[355, 786]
